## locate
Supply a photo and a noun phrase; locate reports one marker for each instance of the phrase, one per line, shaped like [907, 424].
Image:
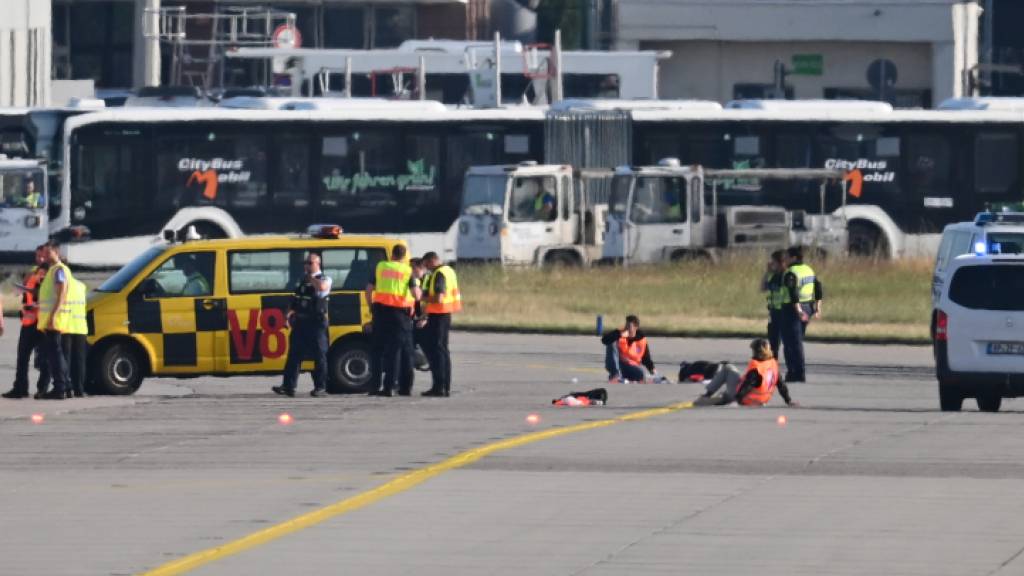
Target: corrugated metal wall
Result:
[589, 139]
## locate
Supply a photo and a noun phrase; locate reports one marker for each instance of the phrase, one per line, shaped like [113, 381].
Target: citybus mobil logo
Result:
[211, 173]
[862, 170]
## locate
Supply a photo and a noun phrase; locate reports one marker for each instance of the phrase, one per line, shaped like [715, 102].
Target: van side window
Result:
[942, 258]
[182, 275]
[351, 268]
[961, 244]
[259, 271]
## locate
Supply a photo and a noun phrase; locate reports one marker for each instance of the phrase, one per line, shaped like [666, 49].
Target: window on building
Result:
[344, 27]
[392, 25]
[94, 40]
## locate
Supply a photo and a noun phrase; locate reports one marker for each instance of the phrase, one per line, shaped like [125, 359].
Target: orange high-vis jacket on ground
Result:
[451, 298]
[29, 305]
[760, 395]
[391, 287]
[632, 354]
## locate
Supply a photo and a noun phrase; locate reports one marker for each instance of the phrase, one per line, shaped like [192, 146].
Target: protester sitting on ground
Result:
[754, 387]
[627, 354]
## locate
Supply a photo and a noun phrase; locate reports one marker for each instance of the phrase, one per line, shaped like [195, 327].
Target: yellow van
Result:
[218, 307]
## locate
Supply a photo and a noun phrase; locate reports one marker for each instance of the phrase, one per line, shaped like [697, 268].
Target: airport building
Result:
[24, 53]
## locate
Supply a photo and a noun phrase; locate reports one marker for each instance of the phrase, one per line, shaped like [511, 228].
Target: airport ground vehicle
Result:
[670, 212]
[23, 217]
[976, 331]
[533, 214]
[142, 323]
[988, 233]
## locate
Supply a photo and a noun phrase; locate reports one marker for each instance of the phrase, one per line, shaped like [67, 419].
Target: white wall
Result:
[936, 40]
[25, 45]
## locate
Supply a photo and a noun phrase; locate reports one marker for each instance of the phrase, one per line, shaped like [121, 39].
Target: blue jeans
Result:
[621, 369]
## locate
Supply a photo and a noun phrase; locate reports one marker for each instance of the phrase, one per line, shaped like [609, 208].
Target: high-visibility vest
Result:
[76, 300]
[29, 303]
[769, 371]
[777, 292]
[451, 298]
[391, 287]
[804, 282]
[48, 300]
[632, 354]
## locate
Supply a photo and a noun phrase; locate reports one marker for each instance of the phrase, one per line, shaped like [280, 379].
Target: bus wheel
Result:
[866, 240]
[119, 370]
[349, 368]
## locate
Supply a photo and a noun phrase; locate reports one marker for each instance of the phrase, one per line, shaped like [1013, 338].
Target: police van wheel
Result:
[989, 400]
[951, 399]
[120, 370]
[350, 368]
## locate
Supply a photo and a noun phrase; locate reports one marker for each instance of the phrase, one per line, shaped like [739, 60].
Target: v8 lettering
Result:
[270, 323]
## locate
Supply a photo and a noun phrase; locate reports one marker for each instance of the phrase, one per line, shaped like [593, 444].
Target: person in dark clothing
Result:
[394, 293]
[30, 338]
[803, 294]
[775, 295]
[627, 354]
[307, 316]
[442, 298]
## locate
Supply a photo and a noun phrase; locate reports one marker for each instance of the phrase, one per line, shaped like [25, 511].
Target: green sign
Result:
[808, 64]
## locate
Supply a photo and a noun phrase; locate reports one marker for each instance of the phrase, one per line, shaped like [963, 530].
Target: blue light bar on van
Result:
[979, 248]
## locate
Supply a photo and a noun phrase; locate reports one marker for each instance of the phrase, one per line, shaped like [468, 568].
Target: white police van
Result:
[988, 233]
[978, 330]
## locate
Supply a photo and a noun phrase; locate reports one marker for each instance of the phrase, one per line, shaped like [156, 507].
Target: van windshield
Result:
[989, 287]
[122, 277]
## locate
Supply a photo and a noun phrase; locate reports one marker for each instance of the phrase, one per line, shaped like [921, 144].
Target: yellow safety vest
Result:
[77, 293]
[48, 299]
[777, 295]
[451, 299]
[391, 287]
[804, 282]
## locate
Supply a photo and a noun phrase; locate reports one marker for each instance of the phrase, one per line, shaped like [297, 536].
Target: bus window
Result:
[291, 172]
[792, 151]
[359, 173]
[996, 164]
[466, 149]
[928, 168]
[876, 153]
[215, 168]
[109, 178]
[418, 177]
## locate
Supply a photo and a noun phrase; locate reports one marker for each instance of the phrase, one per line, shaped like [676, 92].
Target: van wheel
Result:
[950, 398]
[562, 258]
[989, 401]
[349, 368]
[119, 370]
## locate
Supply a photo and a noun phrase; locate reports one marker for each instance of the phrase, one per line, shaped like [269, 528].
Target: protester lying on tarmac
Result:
[754, 387]
[626, 354]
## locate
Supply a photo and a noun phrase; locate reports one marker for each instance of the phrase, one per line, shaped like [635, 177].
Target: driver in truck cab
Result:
[544, 202]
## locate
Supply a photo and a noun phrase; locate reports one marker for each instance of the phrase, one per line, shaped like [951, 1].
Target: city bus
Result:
[918, 170]
[372, 167]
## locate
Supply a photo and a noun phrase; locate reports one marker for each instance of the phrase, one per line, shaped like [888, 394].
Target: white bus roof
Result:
[378, 114]
[275, 103]
[830, 115]
[1005, 103]
[811, 104]
[570, 104]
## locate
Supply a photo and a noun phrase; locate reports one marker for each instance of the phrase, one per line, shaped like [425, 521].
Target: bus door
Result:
[658, 210]
[928, 185]
[23, 221]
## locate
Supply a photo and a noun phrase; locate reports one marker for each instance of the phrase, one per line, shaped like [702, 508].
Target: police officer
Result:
[442, 297]
[393, 293]
[55, 320]
[775, 295]
[29, 337]
[802, 301]
[307, 317]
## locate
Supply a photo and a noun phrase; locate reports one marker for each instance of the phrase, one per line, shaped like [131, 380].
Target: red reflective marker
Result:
[533, 419]
[285, 418]
[37, 418]
[781, 420]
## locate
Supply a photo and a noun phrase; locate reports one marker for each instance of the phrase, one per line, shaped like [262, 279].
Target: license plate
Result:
[1006, 347]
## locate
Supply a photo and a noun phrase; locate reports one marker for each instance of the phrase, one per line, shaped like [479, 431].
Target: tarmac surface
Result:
[867, 477]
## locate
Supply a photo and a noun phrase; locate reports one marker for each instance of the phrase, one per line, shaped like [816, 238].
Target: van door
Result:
[260, 286]
[532, 217]
[175, 310]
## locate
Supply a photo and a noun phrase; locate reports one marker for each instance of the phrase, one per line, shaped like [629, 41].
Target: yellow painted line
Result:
[395, 486]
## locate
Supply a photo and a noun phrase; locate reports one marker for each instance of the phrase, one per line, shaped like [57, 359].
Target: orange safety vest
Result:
[769, 371]
[391, 287]
[29, 305]
[451, 299]
[632, 354]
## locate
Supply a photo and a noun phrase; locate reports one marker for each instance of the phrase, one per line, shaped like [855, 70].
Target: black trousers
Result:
[393, 348]
[793, 329]
[775, 330]
[436, 340]
[29, 341]
[76, 354]
[55, 359]
[307, 341]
